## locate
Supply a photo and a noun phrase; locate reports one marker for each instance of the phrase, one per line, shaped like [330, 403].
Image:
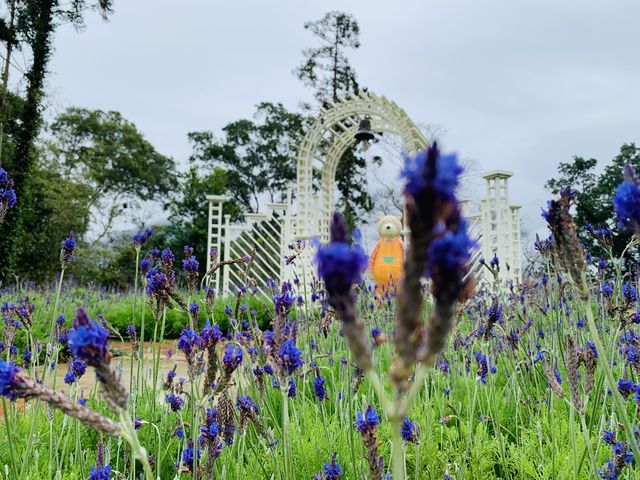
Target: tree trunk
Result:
[5, 74]
[30, 117]
[15, 230]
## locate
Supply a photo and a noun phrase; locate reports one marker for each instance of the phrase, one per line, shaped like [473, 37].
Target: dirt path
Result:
[121, 363]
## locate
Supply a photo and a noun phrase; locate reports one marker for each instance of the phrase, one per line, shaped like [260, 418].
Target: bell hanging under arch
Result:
[364, 133]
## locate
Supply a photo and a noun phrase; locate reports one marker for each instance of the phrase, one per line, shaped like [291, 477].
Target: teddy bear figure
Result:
[387, 258]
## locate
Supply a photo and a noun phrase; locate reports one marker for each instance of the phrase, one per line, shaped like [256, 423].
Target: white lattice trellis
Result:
[334, 129]
[326, 140]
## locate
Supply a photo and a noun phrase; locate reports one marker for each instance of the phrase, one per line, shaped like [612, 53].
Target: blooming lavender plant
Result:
[190, 268]
[210, 439]
[88, 342]
[8, 197]
[626, 201]
[67, 252]
[140, 238]
[440, 248]
[100, 471]
[367, 424]
[340, 265]
[330, 471]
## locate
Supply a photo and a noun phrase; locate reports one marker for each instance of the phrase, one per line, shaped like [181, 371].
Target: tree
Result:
[594, 193]
[188, 220]
[328, 71]
[327, 68]
[30, 28]
[257, 154]
[110, 156]
[64, 205]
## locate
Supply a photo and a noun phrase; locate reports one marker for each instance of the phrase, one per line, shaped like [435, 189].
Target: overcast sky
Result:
[518, 85]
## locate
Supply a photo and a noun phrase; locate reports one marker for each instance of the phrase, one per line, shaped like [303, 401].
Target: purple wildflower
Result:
[189, 341]
[194, 309]
[332, 469]
[141, 238]
[448, 258]
[340, 264]
[8, 197]
[293, 388]
[232, 358]
[319, 388]
[68, 248]
[246, 404]
[100, 473]
[88, 340]
[175, 402]
[626, 200]
[9, 384]
[409, 431]
[626, 387]
[290, 357]
[368, 421]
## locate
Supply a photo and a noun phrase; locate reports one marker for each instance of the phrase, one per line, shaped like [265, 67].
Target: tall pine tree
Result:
[329, 72]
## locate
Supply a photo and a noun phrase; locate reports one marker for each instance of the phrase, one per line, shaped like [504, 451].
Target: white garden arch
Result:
[326, 140]
[270, 233]
[330, 134]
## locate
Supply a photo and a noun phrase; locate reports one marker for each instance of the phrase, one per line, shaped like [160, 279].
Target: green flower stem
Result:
[397, 452]
[10, 440]
[587, 440]
[285, 433]
[156, 365]
[387, 405]
[137, 450]
[613, 386]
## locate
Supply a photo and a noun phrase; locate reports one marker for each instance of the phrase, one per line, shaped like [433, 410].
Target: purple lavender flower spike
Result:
[409, 431]
[319, 388]
[88, 343]
[626, 201]
[289, 357]
[340, 266]
[9, 380]
[8, 197]
[439, 248]
[88, 340]
[68, 249]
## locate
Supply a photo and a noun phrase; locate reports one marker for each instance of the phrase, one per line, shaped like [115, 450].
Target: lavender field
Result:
[443, 379]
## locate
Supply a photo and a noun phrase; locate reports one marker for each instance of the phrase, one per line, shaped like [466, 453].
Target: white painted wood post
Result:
[214, 231]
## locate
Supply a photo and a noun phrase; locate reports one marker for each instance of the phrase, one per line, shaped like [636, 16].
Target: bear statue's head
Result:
[389, 226]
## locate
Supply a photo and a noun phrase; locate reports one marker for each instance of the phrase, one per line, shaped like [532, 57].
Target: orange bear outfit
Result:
[387, 258]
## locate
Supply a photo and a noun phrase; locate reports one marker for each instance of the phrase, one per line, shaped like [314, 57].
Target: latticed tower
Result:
[498, 225]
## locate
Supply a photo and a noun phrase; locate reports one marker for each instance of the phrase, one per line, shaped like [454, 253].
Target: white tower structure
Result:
[497, 224]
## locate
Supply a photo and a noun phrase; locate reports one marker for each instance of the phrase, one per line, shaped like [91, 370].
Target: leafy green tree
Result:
[594, 193]
[111, 262]
[329, 72]
[109, 156]
[257, 154]
[188, 213]
[30, 29]
[64, 204]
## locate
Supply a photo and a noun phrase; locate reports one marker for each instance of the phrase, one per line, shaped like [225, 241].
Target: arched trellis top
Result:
[326, 141]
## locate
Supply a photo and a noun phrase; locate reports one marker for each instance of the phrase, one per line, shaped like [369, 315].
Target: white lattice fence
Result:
[268, 235]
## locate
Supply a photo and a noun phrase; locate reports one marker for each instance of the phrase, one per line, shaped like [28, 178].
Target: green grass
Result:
[512, 427]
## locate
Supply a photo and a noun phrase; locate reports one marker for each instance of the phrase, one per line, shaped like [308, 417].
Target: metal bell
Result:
[364, 132]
